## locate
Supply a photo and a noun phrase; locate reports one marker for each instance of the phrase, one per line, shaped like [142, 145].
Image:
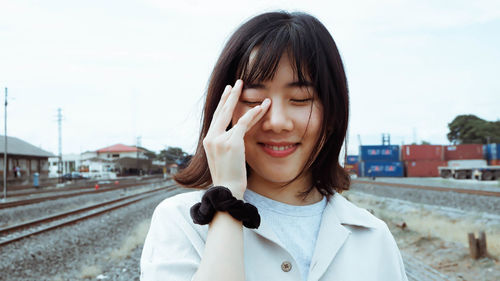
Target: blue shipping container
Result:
[381, 169]
[379, 153]
[492, 151]
[352, 159]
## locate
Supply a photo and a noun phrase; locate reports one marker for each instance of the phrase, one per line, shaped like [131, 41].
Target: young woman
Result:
[273, 140]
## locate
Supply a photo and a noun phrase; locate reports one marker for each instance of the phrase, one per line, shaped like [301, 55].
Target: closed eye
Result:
[302, 100]
[251, 103]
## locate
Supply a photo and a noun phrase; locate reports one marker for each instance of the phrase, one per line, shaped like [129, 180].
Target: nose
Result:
[277, 119]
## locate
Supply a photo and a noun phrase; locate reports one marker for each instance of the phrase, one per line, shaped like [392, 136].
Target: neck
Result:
[288, 194]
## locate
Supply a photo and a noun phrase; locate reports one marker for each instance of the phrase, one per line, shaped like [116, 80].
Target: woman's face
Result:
[278, 146]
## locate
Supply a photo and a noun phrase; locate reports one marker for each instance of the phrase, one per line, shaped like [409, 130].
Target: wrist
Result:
[237, 189]
[220, 198]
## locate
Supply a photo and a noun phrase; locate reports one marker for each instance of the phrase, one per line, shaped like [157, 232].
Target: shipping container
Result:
[494, 162]
[381, 169]
[424, 168]
[492, 151]
[352, 168]
[422, 152]
[463, 151]
[352, 159]
[379, 153]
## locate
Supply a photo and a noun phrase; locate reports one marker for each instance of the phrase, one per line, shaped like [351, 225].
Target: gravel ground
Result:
[11, 216]
[437, 236]
[441, 182]
[106, 247]
[467, 202]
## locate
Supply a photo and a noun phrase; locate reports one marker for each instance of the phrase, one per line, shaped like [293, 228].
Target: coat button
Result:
[286, 266]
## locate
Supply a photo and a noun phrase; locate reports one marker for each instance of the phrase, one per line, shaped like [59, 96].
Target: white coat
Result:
[352, 245]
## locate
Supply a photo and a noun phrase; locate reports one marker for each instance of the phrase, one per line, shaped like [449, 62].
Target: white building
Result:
[70, 163]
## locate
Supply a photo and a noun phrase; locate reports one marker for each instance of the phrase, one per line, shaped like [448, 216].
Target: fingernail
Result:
[266, 102]
[238, 83]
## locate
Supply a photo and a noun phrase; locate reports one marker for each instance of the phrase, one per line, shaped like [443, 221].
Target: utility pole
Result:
[59, 161]
[137, 147]
[5, 170]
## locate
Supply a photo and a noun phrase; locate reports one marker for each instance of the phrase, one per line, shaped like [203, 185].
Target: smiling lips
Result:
[279, 149]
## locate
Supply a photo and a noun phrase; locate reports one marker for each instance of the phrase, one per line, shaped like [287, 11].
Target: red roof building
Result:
[117, 148]
[116, 151]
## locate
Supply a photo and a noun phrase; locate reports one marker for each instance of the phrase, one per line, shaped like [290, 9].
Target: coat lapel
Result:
[332, 235]
[267, 232]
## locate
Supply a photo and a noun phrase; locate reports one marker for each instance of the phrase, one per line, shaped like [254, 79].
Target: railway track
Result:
[72, 193]
[79, 183]
[435, 188]
[75, 186]
[20, 231]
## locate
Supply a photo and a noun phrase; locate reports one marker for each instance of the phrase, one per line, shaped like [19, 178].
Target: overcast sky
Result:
[122, 69]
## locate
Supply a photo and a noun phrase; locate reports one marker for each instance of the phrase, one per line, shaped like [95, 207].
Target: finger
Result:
[249, 119]
[226, 112]
[265, 106]
[222, 101]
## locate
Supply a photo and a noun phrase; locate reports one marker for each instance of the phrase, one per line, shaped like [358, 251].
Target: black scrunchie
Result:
[220, 198]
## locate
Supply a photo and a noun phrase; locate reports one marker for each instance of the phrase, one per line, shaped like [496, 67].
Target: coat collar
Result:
[350, 214]
[332, 235]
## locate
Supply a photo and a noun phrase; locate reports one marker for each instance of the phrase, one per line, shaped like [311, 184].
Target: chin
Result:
[275, 175]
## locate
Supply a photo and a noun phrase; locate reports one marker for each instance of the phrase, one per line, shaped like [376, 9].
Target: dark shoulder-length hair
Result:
[315, 57]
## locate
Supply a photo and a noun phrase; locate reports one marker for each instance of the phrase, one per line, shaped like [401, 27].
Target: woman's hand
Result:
[225, 150]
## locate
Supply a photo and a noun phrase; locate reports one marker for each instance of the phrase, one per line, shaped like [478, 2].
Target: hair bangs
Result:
[261, 60]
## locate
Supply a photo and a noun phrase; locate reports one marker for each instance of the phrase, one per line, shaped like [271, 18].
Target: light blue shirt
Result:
[296, 227]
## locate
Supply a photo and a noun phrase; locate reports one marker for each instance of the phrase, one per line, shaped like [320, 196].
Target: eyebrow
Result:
[289, 85]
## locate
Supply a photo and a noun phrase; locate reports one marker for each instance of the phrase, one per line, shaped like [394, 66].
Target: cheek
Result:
[315, 121]
[307, 119]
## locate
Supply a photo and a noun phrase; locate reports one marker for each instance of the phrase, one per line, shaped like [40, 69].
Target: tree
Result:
[472, 129]
[172, 155]
[150, 154]
[425, 142]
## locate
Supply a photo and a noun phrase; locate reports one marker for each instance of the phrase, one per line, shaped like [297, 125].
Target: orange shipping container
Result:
[422, 152]
[463, 151]
[495, 162]
[424, 168]
[352, 168]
